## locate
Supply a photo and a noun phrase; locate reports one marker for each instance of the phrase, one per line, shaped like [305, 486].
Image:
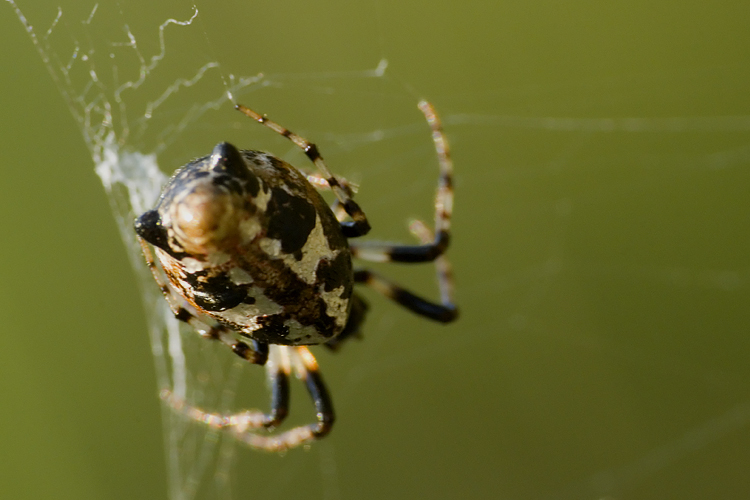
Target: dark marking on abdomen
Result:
[335, 273]
[291, 220]
[215, 293]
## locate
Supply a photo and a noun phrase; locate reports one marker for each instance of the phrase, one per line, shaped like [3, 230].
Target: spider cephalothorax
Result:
[246, 240]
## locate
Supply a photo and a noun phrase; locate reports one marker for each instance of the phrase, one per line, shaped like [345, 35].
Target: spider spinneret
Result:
[246, 240]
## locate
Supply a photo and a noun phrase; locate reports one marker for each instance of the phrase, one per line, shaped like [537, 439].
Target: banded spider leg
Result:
[433, 245]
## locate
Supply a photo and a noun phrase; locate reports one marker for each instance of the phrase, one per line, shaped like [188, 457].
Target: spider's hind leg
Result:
[443, 268]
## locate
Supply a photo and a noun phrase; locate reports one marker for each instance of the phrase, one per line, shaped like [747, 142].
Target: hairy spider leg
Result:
[358, 226]
[306, 368]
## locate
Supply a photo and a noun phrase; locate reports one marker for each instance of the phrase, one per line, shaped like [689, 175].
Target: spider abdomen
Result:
[246, 239]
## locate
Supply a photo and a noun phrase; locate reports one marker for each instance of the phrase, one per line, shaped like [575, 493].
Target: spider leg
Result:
[427, 251]
[444, 312]
[243, 425]
[319, 182]
[307, 370]
[277, 370]
[443, 268]
[255, 352]
[433, 244]
[358, 226]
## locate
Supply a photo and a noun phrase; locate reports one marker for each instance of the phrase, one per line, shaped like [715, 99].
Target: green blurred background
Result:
[601, 250]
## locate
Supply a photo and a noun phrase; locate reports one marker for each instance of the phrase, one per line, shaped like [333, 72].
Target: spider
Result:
[257, 260]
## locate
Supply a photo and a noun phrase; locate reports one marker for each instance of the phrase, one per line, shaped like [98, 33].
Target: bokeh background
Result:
[601, 249]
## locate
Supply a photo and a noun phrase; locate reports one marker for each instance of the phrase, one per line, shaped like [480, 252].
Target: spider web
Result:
[549, 356]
